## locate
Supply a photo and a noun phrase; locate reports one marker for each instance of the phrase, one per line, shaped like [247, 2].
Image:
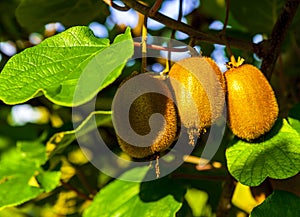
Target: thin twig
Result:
[81, 176]
[267, 49]
[144, 45]
[157, 169]
[72, 188]
[223, 32]
[225, 205]
[226, 16]
[155, 7]
[197, 177]
[174, 30]
[273, 46]
[162, 48]
[205, 37]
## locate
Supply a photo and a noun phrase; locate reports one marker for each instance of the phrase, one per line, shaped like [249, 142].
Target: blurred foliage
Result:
[65, 183]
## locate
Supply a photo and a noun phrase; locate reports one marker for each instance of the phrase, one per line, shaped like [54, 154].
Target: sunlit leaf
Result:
[48, 180]
[134, 199]
[197, 201]
[72, 62]
[20, 173]
[276, 156]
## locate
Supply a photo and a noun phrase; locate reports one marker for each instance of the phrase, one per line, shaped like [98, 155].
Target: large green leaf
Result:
[72, 62]
[61, 140]
[278, 204]
[258, 16]
[197, 201]
[48, 180]
[34, 14]
[277, 156]
[122, 198]
[21, 177]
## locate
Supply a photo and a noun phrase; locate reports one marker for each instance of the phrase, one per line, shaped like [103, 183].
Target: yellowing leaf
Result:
[243, 199]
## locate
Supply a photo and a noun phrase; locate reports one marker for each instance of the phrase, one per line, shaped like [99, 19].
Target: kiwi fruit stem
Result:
[233, 63]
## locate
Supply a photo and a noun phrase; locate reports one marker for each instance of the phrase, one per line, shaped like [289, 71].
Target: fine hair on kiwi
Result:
[199, 88]
[251, 102]
[140, 114]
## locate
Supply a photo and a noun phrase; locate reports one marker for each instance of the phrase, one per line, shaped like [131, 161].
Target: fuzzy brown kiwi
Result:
[198, 83]
[251, 102]
[139, 115]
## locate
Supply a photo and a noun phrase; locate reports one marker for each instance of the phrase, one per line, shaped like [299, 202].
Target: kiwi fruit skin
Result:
[139, 115]
[251, 102]
[200, 101]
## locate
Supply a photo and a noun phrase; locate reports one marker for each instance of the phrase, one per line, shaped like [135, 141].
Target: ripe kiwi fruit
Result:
[251, 102]
[141, 110]
[199, 87]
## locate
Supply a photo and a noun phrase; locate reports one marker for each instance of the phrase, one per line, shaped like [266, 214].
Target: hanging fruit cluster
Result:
[201, 91]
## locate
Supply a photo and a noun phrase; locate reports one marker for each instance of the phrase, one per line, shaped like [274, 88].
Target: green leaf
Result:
[69, 68]
[277, 156]
[48, 180]
[294, 117]
[61, 140]
[21, 192]
[134, 198]
[34, 14]
[26, 155]
[197, 201]
[19, 168]
[258, 16]
[278, 204]
[11, 212]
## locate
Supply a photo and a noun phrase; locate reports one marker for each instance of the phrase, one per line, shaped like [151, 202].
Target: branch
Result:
[268, 50]
[173, 24]
[83, 179]
[225, 205]
[72, 188]
[272, 47]
[223, 32]
[158, 47]
[155, 7]
[197, 177]
[226, 16]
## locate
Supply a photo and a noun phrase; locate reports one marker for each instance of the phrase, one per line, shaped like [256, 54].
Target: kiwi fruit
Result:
[199, 87]
[143, 107]
[251, 102]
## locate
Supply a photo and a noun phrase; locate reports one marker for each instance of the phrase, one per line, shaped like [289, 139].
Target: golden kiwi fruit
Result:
[143, 107]
[199, 87]
[251, 102]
